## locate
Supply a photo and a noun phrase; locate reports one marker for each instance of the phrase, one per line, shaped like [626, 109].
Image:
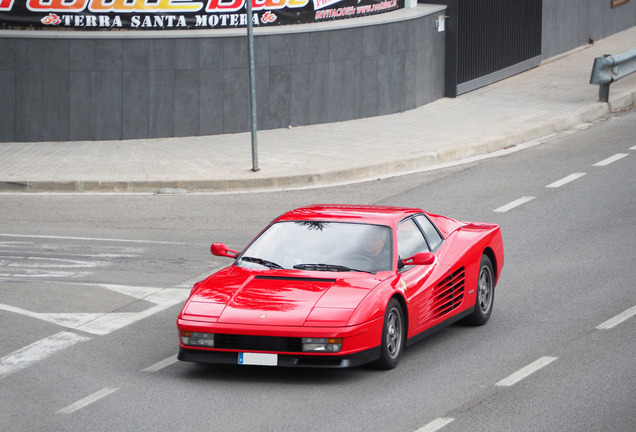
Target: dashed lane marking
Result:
[87, 400]
[525, 372]
[435, 425]
[610, 160]
[38, 351]
[565, 180]
[162, 364]
[613, 322]
[513, 204]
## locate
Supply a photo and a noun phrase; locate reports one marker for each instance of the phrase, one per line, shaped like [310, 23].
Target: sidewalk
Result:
[550, 98]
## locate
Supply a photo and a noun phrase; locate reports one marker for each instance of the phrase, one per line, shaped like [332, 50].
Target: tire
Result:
[485, 294]
[393, 336]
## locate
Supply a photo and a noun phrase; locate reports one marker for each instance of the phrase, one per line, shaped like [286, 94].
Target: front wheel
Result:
[393, 333]
[485, 294]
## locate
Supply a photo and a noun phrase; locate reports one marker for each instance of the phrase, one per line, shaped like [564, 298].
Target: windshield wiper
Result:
[329, 267]
[261, 261]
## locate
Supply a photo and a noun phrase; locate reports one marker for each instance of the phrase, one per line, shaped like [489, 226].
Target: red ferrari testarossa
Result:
[340, 286]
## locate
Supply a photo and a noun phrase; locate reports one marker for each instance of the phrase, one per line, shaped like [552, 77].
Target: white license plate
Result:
[258, 359]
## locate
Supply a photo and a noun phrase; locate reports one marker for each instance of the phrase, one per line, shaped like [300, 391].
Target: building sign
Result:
[179, 14]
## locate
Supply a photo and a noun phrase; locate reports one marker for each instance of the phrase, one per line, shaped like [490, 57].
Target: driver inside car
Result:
[374, 248]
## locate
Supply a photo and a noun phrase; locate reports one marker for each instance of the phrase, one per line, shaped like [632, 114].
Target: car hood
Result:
[287, 298]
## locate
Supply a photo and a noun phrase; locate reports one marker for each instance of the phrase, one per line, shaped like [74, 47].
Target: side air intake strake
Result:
[446, 296]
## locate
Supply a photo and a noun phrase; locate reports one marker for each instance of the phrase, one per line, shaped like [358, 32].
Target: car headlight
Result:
[197, 339]
[328, 345]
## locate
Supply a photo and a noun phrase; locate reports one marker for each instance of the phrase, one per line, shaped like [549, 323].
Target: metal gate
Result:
[488, 40]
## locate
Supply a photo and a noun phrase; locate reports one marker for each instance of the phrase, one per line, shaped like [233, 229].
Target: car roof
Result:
[384, 215]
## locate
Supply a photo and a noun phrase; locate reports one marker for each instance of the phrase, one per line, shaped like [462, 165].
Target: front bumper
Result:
[284, 360]
[361, 344]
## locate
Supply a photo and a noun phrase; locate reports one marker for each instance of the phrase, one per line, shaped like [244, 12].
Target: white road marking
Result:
[47, 274]
[88, 400]
[525, 372]
[90, 239]
[515, 203]
[565, 180]
[37, 351]
[74, 320]
[633, 148]
[46, 262]
[102, 323]
[110, 322]
[162, 364]
[138, 292]
[14, 244]
[435, 425]
[613, 322]
[190, 282]
[610, 160]
[55, 262]
[69, 255]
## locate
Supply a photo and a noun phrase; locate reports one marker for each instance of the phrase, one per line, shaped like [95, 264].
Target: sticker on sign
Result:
[258, 359]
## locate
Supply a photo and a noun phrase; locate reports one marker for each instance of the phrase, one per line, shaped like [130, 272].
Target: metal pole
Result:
[603, 92]
[603, 89]
[250, 44]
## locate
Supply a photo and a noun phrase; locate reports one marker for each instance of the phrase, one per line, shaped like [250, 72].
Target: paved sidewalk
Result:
[553, 97]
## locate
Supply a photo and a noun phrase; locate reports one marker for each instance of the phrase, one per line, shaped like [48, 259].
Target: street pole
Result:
[250, 45]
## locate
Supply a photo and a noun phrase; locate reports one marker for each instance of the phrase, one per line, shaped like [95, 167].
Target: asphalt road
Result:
[90, 287]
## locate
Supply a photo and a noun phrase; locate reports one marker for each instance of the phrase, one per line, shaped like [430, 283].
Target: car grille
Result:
[446, 296]
[257, 343]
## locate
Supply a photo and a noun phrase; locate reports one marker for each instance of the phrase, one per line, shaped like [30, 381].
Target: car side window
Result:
[410, 239]
[433, 236]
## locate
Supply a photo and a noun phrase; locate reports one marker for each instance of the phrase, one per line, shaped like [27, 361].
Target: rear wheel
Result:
[485, 294]
[393, 333]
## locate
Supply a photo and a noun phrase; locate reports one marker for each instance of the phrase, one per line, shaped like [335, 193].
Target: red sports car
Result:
[340, 286]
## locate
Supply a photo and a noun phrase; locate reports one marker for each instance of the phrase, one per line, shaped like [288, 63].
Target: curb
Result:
[427, 161]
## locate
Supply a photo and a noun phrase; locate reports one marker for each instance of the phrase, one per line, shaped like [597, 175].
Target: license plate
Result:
[258, 359]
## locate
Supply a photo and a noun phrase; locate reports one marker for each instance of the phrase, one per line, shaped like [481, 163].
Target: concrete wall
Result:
[125, 85]
[568, 24]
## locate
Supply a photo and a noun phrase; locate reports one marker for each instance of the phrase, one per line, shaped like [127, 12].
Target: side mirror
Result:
[422, 258]
[219, 249]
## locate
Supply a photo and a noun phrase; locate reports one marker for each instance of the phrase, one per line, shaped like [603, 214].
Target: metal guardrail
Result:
[610, 68]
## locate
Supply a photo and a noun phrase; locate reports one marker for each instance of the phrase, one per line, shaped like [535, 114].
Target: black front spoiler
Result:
[284, 360]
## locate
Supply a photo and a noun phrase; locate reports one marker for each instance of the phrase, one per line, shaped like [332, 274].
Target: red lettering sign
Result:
[236, 5]
[56, 5]
[6, 4]
[224, 5]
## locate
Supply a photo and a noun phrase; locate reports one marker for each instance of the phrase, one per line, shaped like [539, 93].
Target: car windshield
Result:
[321, 246]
